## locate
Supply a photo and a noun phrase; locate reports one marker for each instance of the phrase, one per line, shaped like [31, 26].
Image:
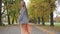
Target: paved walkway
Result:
[16, 30]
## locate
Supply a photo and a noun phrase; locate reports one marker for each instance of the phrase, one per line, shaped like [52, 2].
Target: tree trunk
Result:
[16, 20]
[51, 17]
[13, 18]
[38, 20]
[8, 20]
[34, 20]
[13, 21]
[0, 12]
[8, 17]
[43, 23]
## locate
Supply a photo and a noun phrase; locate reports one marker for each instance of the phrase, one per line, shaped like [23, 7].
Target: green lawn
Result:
[55, 24]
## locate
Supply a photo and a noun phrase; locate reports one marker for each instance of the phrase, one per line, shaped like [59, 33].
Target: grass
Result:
[55, 24]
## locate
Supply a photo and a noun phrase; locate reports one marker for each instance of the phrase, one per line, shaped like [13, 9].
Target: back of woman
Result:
[23, 20]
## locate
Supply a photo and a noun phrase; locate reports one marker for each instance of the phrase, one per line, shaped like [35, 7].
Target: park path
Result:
[16, 30]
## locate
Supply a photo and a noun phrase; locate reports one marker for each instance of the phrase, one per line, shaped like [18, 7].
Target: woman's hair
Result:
[24, 5]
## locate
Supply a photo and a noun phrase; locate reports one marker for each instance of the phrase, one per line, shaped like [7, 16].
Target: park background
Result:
[42, 13]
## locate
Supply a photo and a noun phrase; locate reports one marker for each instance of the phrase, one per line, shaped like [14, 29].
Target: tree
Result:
[0, 12]
[38, 20]
[14, 11]
[7, 8]
[52, 8]
[58, 2]
[13, 8]
[42, 8]
[51, 17]
[38, 8]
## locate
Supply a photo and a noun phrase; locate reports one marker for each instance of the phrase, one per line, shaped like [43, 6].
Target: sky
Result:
[27, 2]
[57, 11]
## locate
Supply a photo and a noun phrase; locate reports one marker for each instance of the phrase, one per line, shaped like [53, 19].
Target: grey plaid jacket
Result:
[23, 16]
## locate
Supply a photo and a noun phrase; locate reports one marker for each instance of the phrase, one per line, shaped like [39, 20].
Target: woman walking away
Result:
[23, 20]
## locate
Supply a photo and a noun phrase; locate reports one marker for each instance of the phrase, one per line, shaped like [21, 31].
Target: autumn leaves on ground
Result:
[51, 28]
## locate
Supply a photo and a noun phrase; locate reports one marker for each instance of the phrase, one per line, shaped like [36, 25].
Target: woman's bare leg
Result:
[23, 28]
[29, 28]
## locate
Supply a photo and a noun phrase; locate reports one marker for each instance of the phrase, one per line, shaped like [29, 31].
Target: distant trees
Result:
[12, 8]
[58, 2]
[43, 9]
[39, 10]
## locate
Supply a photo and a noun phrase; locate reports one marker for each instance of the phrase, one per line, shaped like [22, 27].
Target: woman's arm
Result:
[21, 15]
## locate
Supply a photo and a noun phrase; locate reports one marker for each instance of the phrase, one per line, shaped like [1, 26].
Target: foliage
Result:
[41, 8]
[13, 8]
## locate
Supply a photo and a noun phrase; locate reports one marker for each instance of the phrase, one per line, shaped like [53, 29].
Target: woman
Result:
[23, 20]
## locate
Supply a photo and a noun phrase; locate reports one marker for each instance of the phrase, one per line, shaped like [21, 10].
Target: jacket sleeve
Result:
[21, 15]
